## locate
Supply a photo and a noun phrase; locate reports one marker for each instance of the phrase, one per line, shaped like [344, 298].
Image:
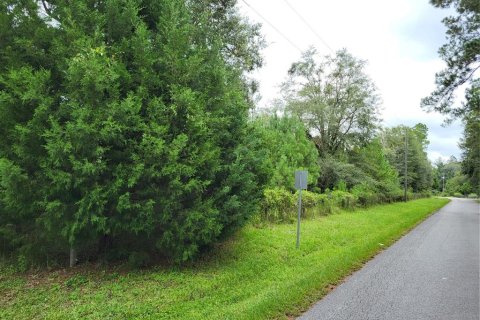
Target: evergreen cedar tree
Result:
[124, 127]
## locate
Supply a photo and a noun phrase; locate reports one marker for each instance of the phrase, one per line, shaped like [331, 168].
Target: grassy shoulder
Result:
[256, 275]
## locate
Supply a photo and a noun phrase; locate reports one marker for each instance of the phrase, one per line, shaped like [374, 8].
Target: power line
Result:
[271, 25]
[308, 25]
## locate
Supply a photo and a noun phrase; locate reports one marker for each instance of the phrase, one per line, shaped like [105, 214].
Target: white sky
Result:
[399, 38]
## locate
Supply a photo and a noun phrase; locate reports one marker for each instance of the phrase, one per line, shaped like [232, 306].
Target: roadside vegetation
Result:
[450, 179]
[129, 133]
[256, 274]
[130, 138]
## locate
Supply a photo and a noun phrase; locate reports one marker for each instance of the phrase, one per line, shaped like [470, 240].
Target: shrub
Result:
[344, 200]
[423, 194]
[366, 196]
[472, 196]
[278, 205]
[314, 204]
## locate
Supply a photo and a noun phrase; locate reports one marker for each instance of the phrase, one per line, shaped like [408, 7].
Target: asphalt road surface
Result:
[431, 273]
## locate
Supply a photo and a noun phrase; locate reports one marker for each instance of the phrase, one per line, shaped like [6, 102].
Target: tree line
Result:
[127, 130]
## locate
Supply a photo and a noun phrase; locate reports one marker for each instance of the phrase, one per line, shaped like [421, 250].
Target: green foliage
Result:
[76, 281]
[419, 169]
[459, 185]
[125, 131]
[334, 173]
[124, 126]
[461, 54]
[335, 99]
[367, 168]
[287, 148]
[444, 171]
[464, 177]
[278, 205]
[258, 274]
[343, 199]
[365, 194]
[372, 160]
[470, 143]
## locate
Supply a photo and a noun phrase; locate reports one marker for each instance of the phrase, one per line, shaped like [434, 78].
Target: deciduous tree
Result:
[335, 99]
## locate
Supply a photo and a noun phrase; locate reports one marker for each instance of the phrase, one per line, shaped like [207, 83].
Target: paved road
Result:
[431, 273]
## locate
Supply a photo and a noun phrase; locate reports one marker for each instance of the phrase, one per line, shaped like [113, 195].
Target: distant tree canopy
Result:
[339, 105]
[461, 54]
[419, 170]
[124, 125]
[444, 171]
[335, 99]
[451, 180]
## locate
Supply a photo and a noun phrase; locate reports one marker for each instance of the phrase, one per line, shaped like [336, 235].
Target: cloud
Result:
[422, 32]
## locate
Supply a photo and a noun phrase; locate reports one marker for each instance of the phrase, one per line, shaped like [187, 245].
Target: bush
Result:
[366, 196]
[422, 194]
[343, 199]
[472, 196]
[335, 174]
[315, 204]
[278, 205]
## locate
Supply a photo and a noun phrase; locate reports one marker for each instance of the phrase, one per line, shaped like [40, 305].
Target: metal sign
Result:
[301, 179]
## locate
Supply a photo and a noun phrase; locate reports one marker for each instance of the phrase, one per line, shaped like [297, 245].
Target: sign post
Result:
[300, 184]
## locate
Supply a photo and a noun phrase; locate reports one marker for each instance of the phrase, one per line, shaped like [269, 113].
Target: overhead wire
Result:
[308, 25]
[274, 28]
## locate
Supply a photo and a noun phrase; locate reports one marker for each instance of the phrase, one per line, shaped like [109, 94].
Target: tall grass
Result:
[258, 274]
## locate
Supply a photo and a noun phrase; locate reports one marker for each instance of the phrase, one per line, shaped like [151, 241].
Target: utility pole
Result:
[405, 175]
[443, 184]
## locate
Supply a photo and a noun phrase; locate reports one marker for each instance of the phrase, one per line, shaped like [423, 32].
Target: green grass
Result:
[256, 275]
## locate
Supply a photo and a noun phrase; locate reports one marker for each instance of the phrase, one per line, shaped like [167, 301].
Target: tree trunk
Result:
[73, 257]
